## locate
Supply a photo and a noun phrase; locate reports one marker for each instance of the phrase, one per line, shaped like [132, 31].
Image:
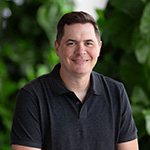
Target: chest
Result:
[88, 125]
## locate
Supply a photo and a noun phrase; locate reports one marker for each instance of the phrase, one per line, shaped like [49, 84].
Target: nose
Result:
[80, 50]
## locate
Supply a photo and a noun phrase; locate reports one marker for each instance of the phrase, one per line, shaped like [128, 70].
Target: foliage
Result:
[125, 56]
[27, 34]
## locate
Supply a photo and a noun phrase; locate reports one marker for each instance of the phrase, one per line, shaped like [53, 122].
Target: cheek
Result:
[64, 53]
[98, 52]
[94, 54]
[68, 52]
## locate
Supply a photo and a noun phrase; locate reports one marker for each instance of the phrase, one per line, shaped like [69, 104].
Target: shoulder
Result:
[112, 90]
[37, 82]
[37, 87]
[45, 80]
[106, 82]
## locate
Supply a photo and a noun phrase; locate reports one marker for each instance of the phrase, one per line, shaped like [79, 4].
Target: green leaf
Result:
[149, 62]
[30, 72]
[139, 120]
[46, 17]
[141, 47]
[101, 19]
[6, 116]
[3, 71]
[139, 96]
[118, 30]
[52, 58]
[136, 110]
[132, 8]
[8, 87]
[130, 71]
[147, 119]
[142, 51]
[42, 69]
[145, 22]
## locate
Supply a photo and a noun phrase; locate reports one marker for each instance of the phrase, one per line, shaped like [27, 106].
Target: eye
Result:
[71, 43]
[89, 43]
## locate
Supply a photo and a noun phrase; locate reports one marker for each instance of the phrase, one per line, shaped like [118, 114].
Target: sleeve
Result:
[26, 122]
[128, 130]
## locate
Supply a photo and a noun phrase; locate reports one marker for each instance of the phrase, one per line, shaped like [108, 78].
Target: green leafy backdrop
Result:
[125, 56]
[27, 35]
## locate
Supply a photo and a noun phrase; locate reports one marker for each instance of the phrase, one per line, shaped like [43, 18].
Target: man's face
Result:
[78, 50]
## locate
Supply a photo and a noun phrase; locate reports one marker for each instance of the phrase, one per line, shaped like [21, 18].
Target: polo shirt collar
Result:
[97, 83]
[56, 82]
[59, 88]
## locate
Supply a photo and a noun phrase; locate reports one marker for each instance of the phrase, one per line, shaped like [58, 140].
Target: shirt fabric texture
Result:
[49, 116]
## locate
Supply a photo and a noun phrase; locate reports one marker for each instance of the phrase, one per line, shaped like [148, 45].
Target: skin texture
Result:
[78, 52]
[18, 147]
[131, 145]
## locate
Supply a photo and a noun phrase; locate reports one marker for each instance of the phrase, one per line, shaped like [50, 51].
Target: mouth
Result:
[80, 61]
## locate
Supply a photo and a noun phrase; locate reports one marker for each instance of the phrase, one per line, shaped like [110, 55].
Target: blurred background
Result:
[27, 34]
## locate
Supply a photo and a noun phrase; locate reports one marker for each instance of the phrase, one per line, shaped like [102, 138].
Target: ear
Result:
[56, 48]
[100, 45]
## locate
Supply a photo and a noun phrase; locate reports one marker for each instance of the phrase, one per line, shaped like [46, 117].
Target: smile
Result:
[80, 61]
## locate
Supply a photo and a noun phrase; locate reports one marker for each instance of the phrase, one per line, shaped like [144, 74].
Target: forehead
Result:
[79, 30]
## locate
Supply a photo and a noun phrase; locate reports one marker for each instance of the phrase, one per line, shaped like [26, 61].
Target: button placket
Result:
[83, 112]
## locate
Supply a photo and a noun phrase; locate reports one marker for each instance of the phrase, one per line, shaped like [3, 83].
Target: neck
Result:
[78, 84]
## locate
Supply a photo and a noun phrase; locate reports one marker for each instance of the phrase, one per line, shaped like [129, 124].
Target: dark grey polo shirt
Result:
[50, 117]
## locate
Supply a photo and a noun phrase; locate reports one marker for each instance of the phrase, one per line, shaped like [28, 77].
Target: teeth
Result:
[79, 60]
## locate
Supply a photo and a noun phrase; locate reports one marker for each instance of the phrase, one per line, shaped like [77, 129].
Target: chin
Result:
[82, 72]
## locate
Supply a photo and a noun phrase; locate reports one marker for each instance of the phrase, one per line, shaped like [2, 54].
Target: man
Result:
[74, 108]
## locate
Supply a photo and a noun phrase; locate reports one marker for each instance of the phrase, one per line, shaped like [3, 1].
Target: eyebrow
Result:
[71, 40]
[89, 40]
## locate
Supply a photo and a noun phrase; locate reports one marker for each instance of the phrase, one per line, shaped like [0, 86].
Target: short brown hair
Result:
[73, 18]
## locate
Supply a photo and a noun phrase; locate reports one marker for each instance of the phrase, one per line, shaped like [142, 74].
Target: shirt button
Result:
[71, 94]
[78, 103]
